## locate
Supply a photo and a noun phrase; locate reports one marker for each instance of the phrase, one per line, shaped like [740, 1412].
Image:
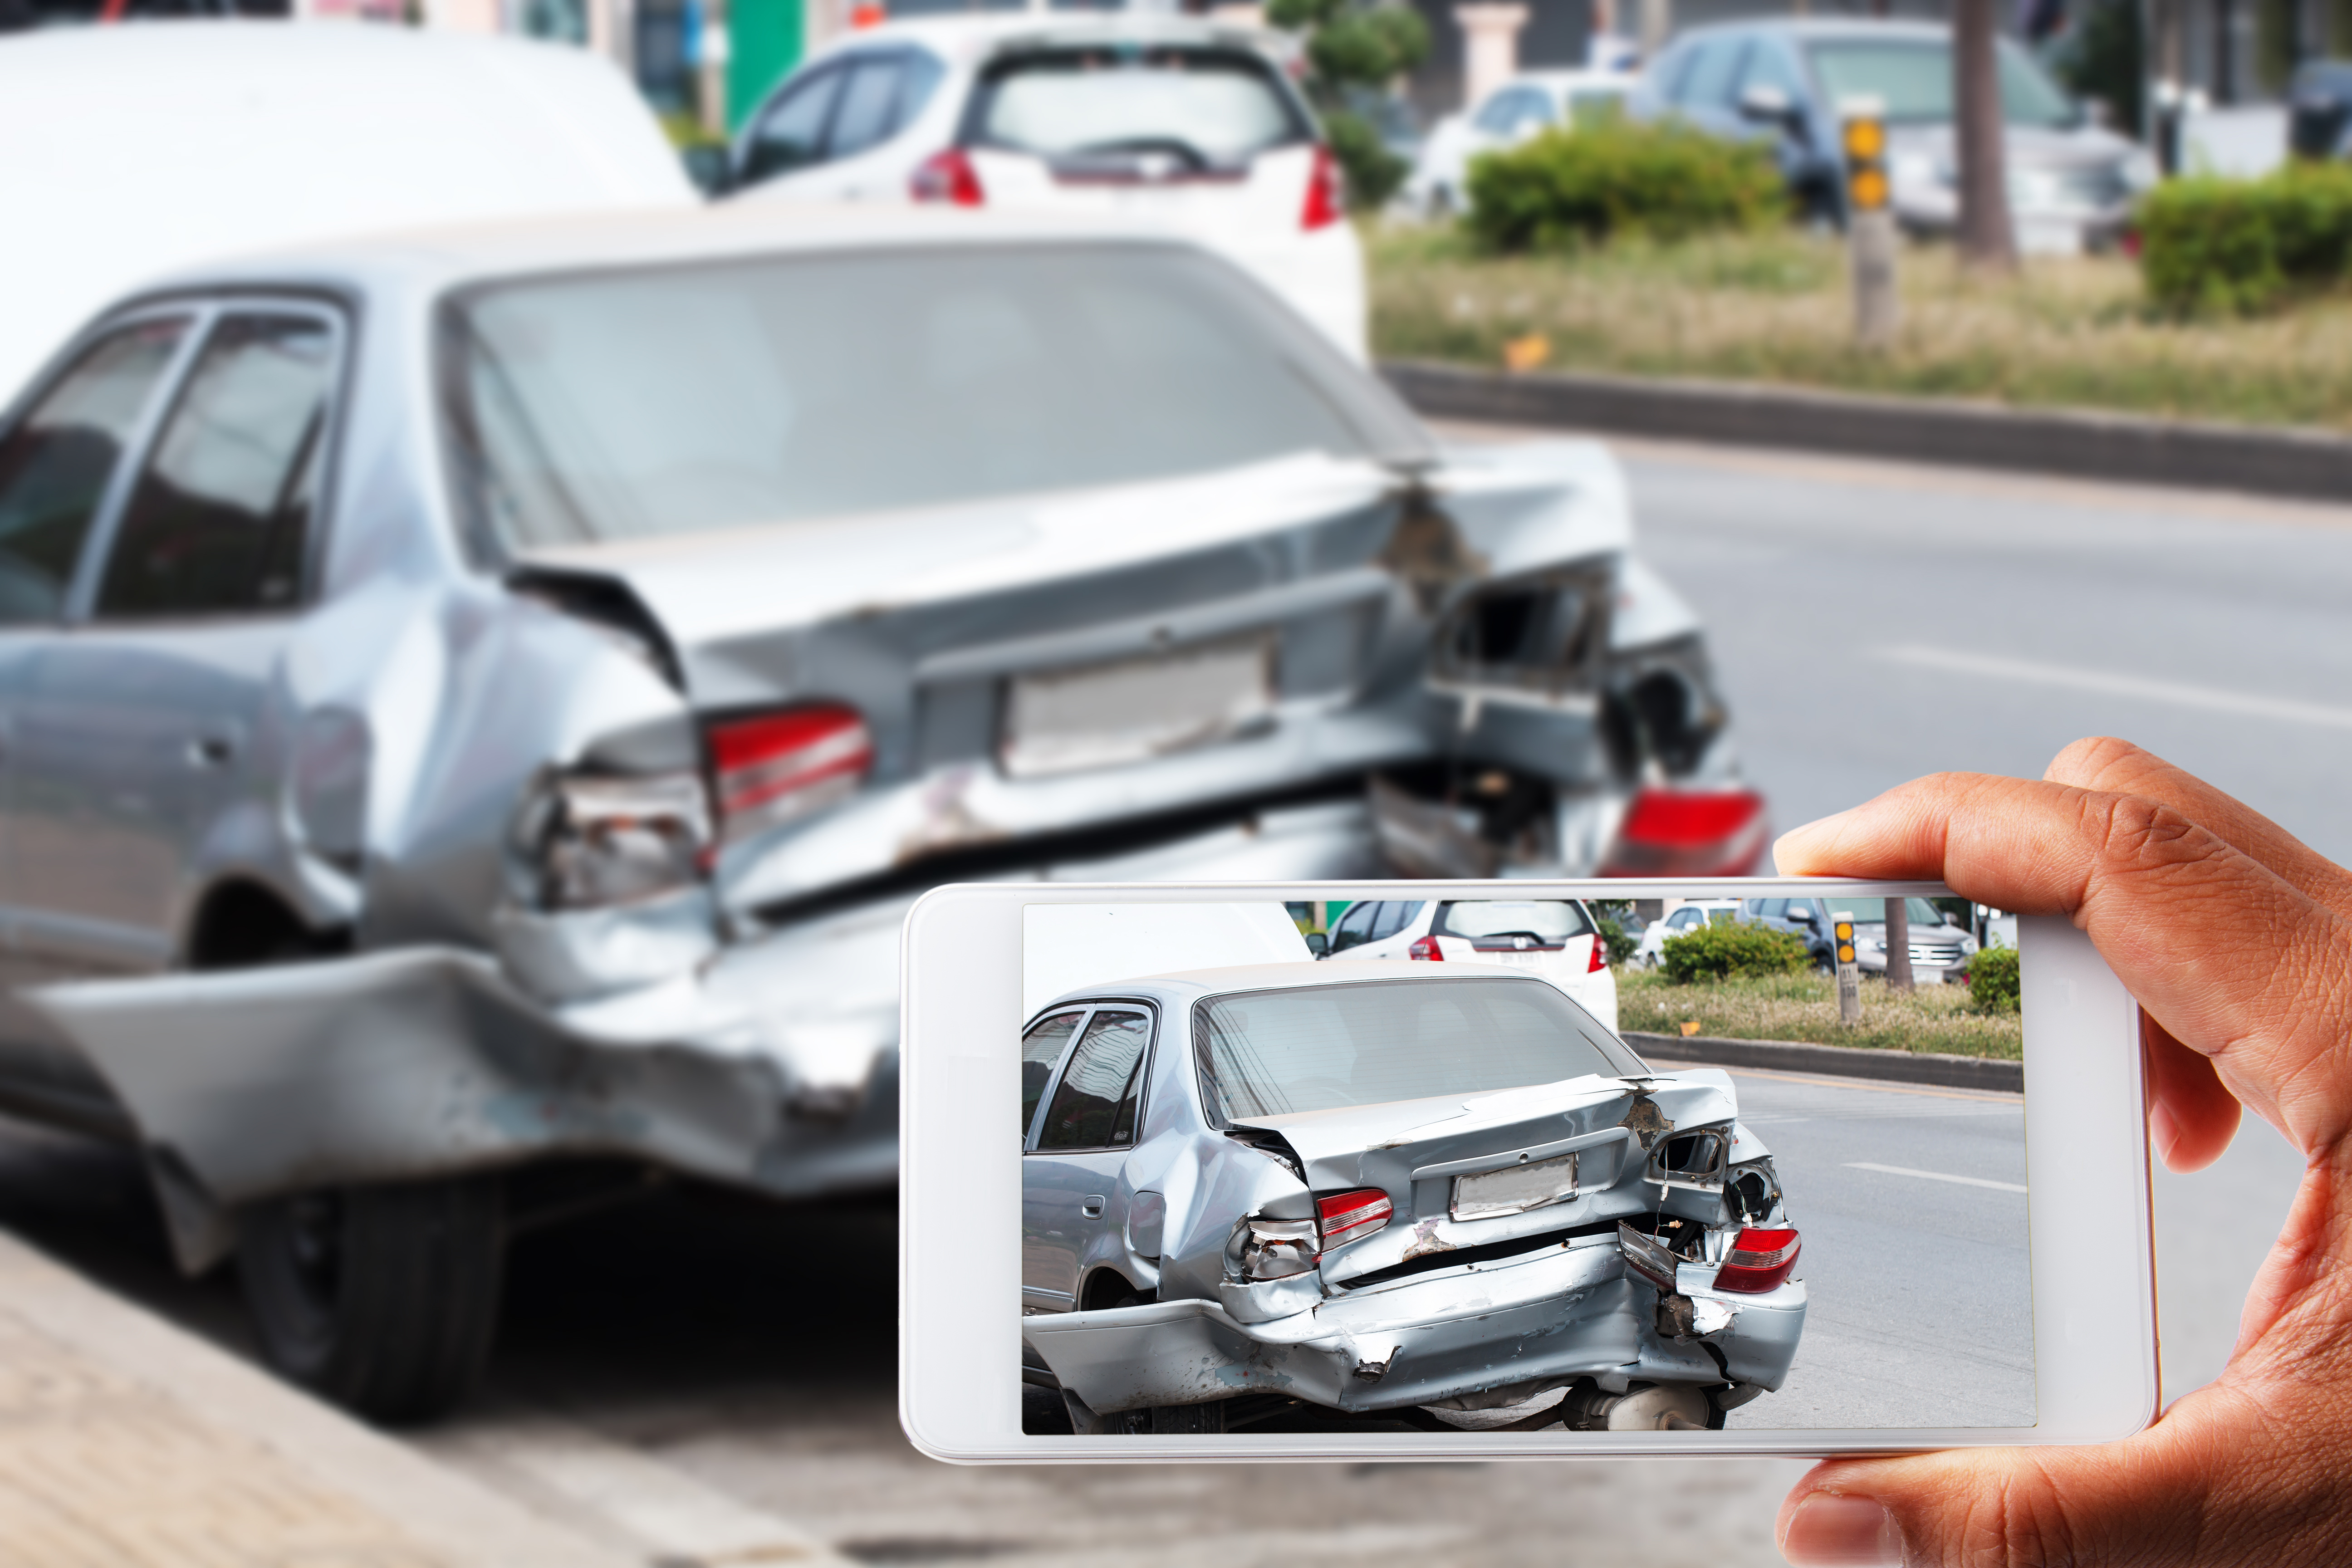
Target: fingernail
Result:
[1829, 1530]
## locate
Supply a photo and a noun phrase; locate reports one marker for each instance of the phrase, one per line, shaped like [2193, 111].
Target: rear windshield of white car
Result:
[1205, 109]
[1550, 920]
[683, 399]
[1266, 1052]
[1914, 80]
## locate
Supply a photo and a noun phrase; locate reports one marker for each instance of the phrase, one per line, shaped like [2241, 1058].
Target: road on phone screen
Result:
[679, 1376]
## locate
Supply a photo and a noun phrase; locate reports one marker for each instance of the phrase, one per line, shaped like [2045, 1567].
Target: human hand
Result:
[2237, 942]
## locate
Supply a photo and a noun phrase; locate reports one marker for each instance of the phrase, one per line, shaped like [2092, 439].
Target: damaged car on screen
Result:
[1254, 1196]
[476, 706]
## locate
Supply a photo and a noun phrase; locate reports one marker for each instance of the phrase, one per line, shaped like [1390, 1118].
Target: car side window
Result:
[1395, 916]
[1095, 1102]
[919, 77]
[1355, 927]
[1496, 115]
[791, 135]
[221, 514]
[55, 465]
[1768, 66]
[1683, 920]
[867, 102]
[1041, 1048]
[1708, 83]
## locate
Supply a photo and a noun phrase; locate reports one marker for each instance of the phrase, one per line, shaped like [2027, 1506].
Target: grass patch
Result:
[1804, 1007]
[2072, 332]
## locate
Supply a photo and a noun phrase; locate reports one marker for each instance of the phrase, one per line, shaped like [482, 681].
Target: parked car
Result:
[1555, 938]
[1189, 123]
[1514, 112]
[486, 699]
[2319, 110]
[1257, 1195]
[1650, 951]
[2072, 183]
[1940, 945]
[127, 152]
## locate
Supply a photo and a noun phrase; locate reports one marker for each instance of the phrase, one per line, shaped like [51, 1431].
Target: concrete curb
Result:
[227, 1407]
[1836, 1061]
[2124, 447]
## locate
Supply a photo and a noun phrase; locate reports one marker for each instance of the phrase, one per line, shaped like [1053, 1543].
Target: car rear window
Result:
[1548, 920]
[1914, 80]
[1266, 1053]
[1206, 108]
[681, 399]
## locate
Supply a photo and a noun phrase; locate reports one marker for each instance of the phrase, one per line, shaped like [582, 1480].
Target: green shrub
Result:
[1371, 171]
[1992, 981]
[1665, 180]
[2211, 246]
[1617, 941]
[1733, 951]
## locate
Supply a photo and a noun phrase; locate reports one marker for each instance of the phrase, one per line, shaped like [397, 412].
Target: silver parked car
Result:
[1263, 1196]
[478, 702]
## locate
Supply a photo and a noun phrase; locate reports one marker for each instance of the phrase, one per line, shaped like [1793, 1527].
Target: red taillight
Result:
[1327, 198]
[778, 766]
[1351, 1216]
[1759, 1261]
[1425, 948]
[947, 176]
[1600, 959]
[1689, 833]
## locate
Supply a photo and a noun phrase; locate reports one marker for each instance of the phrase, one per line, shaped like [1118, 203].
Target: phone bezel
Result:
[2092, 1252]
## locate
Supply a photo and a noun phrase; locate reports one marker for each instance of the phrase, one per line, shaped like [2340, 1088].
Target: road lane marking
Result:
[1935, 1176]
[2179, 694]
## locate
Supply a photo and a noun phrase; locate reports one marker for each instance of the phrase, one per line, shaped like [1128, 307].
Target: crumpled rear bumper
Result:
[1575, 1312]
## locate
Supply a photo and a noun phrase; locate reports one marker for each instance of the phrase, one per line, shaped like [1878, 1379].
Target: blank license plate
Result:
[1515, 1189]
[1107, 714]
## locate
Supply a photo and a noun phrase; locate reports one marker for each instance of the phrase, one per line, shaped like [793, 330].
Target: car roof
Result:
[1810, 28]
[436, 258]
[969, 36]
[1179, 986]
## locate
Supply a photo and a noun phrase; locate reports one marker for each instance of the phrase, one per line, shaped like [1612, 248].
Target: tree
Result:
[1354, 50]
[1986, 240]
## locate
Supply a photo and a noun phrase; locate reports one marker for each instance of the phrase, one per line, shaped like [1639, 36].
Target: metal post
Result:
[1898, 945]
[1849, 977]
[1870, 226]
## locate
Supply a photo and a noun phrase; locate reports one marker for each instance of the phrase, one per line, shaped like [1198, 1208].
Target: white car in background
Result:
[1512, 113]
[1186, 123]
[1555, 938]
[1650, 951]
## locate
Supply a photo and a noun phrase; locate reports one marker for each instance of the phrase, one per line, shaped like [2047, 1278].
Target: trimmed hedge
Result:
[2211, 246]
[1661, 180]
[1992, 981]
[1733, 951]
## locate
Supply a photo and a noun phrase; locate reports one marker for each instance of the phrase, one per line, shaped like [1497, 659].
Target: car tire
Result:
[381, 1299]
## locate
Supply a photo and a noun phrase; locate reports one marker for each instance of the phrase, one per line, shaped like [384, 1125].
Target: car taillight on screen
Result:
[1351, 1216]
[1326, 197]
[1600, 959]
[1759, 1261]
[947, 176]
[1689, 833]
[1426, 949]
[778, 766]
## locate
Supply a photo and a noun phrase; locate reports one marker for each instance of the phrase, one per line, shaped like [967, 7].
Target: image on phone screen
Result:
[1438, 1166]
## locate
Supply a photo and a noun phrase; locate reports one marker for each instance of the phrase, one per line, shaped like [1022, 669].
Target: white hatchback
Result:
[1182, 122]
[1650, 951]
[1557, 938]
[1514, 112]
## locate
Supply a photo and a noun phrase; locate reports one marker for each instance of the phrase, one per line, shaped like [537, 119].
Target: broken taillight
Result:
[1759, 1260]
[1689, 833]
[1351, 1216]
[1326, 200]
[778, 766]
[947, 176]
[1426, 949]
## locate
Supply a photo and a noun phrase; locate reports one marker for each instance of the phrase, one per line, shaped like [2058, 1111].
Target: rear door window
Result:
[56, 465]
[1096, 1104]
[791, 135]
[221, 514]
[869, 102]
[1206, 109]
[1706, 84]
[1041, 1048]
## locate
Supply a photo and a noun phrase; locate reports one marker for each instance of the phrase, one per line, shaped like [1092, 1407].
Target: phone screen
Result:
[1519, 1164]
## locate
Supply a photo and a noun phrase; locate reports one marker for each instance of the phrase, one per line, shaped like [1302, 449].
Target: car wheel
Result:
[383, 1298]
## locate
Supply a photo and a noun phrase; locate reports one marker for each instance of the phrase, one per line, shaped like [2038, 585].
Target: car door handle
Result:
[1092, 1208]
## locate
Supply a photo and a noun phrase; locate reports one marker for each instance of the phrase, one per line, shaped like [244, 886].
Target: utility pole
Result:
[1898, 945]
[1986, 241]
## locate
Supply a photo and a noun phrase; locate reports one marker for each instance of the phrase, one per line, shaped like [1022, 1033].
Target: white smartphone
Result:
[1425, 1170]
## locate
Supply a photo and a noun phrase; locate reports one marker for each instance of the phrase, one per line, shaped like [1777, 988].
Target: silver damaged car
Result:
[1261, 1198]
[476, 706]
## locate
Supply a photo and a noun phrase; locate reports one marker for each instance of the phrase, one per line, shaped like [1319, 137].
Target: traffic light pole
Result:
[1870, 225]
[1849, 977]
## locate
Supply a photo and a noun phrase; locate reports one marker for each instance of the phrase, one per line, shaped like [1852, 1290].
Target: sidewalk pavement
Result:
[125, 1442]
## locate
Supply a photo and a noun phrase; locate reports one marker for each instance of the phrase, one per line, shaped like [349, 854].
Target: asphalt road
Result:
[706, 1379]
